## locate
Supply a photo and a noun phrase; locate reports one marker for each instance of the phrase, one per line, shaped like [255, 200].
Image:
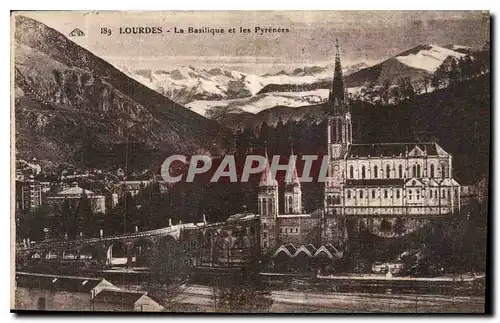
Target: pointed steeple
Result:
[337, 91]
[266, 178]
[294, 180]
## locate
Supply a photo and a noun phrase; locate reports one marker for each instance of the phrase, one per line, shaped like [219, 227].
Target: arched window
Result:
[387, 171]
[385, 194]
[351, 172]
[373, 193]
[443, 170]
[375, 171]
[432, 171]
[361, 194]
[290, 204]
[348, 194]
[397, 194]
[264, 206]
[363, 172]
[409, 194]
[400, 171]
[430, 193]
[444, 193]
[329, 200]
[270, 206]
[414, 171]
[418, 171]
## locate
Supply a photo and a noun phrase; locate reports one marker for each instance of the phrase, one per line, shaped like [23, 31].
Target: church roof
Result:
[394, 149]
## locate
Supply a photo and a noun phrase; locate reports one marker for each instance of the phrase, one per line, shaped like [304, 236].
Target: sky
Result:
[364, 36]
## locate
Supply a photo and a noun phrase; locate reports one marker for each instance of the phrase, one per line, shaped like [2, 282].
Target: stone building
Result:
[44, 292]
[390, 188]
[74, 194]
[405, 182]
[28, 194]
[57, 293]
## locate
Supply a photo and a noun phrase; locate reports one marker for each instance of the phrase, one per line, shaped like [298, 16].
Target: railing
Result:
[142, 234]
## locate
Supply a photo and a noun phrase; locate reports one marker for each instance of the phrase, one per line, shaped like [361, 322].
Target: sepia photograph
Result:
[250, 161]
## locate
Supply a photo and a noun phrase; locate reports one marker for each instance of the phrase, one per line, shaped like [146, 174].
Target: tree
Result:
[385, 91]
[85, 217]
[264, 133]
[406, 89]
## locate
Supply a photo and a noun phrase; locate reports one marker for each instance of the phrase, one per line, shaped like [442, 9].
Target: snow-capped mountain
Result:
[188, 84]
[416, 63]
[261, 102]
[428, 57]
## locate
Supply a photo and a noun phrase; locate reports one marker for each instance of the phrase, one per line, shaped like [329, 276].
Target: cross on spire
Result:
[337, 45]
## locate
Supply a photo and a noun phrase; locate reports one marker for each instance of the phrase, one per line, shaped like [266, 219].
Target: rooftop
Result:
[75, 190]
[57, 282]
[119, 296]
[396, 149]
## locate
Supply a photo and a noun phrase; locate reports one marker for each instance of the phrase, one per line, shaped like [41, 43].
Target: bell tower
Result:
[339, 120]
[339, 133]
[268, 193]
[293, 192]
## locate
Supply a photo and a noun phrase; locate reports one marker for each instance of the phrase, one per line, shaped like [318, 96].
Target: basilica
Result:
[391, 188]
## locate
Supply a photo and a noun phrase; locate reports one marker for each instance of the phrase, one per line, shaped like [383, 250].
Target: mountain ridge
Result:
[68, 86]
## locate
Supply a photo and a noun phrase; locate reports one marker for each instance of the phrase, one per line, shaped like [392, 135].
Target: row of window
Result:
[289, 230]
[433, 193]
[416, 171]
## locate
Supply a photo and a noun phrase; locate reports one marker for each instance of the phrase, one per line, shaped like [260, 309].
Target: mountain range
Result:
[73, 107]
[188, 84]
[219, 93]
[416, 64]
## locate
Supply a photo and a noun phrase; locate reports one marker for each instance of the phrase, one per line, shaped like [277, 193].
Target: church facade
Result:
[391, 188]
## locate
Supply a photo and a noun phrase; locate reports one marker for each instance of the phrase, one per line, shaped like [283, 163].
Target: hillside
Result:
[73, 107]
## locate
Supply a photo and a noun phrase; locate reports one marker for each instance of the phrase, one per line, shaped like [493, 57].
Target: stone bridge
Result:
[226, 244]
[133, 249]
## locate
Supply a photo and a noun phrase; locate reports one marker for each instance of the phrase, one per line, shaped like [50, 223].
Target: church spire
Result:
[294, 178]
[337, 92]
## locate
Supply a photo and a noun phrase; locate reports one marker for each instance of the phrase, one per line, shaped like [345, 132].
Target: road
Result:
[299, 302]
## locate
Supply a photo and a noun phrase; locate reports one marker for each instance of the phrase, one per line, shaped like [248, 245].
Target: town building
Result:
[28, 194]
[74, 194]
[125, 301]
[34, 291]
